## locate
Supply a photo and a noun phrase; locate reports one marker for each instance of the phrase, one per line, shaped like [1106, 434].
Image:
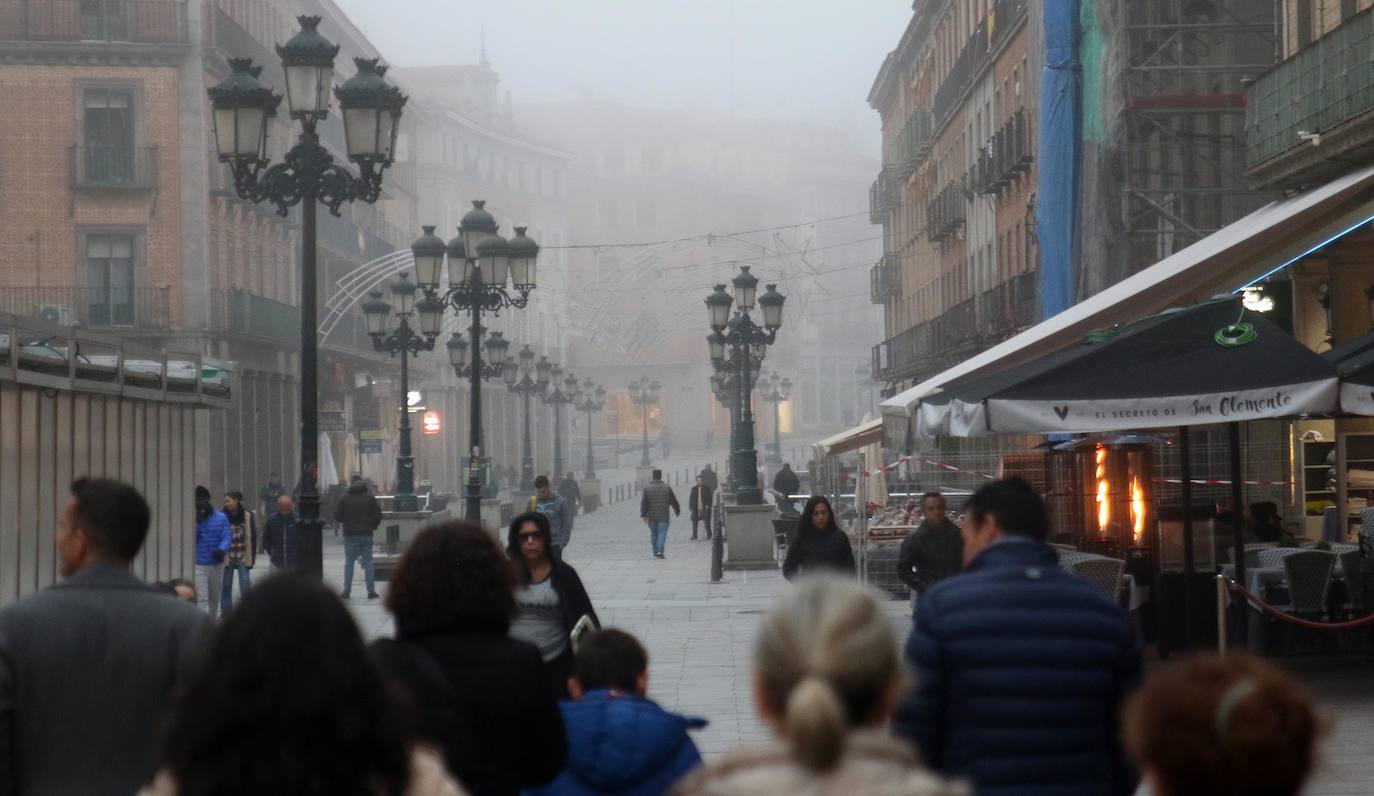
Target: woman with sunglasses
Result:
[549, 595]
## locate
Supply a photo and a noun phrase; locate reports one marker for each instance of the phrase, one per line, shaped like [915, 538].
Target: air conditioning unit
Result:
[60, 314]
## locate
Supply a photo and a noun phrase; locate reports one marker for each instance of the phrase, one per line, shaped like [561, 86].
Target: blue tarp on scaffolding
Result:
[1057, 204]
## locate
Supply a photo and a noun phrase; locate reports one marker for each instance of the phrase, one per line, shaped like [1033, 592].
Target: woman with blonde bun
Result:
[826, 677]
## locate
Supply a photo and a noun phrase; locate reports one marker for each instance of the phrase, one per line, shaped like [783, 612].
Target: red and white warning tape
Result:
[1219, 482]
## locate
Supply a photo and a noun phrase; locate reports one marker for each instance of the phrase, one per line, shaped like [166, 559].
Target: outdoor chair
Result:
[1105, 573]
[1352, 572]
[1272, 557]
[1309, 584]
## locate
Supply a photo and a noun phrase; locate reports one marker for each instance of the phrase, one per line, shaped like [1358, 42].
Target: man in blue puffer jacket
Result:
[1021, 667]
[213, 535]
[619, 743]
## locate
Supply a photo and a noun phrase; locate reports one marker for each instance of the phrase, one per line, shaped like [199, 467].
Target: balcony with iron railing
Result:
[94, 21]
[1006, 156]
[242, 312]
[911, 145]
[882, 197]
[100, 167]
[1310, 117]
[91, 307]
[990, 34]
[885, 279]
[945, 214]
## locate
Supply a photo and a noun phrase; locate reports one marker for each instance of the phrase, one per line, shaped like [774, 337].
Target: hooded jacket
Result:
[358, 511]
[622, 745]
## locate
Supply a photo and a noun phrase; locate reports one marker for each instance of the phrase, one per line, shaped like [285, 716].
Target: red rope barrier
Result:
[1363, 621]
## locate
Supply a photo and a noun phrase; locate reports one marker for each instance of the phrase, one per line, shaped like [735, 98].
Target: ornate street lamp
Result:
[241, 107]
[592, 398]
[527, 380]
[644, 393]
[406, 342]
[565, 391]
[775, 389]
[746, 343]
[486, 273]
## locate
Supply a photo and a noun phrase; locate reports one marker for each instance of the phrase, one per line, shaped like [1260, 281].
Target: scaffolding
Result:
[1184, 118]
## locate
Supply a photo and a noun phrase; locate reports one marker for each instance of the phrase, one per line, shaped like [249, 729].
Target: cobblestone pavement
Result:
[700, 635]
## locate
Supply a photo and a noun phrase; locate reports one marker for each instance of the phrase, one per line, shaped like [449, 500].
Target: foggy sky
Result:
[803, 60]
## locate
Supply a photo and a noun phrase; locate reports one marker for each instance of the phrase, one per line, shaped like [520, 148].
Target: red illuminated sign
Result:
[430, 422]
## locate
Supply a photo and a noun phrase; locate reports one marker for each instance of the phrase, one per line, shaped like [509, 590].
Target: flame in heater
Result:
[1137, 510]
[1104, 504]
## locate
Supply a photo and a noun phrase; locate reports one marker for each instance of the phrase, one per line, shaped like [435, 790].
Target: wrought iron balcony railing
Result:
[91, 307]
[99, 167]
[885, 279]
[118, 21]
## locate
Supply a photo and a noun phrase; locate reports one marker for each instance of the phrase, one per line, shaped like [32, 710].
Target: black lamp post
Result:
[407, 342]
[645, 393]
[526, 379]
[746, 342]
[591, 399]
[775, 389]
[565, 391]
[481, 265]
[371, 110]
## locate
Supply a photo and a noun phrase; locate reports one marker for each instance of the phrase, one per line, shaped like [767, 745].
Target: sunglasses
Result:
[528, 535]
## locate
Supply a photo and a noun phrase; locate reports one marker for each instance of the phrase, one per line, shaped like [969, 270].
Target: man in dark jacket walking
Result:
[619, 743]
[786, 482]
[699, 506]
[654, 504]
[281, 538]
[359, 513]
[1021, 667]
[932, 552]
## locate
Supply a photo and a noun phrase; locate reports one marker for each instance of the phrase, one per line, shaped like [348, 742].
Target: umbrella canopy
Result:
[1354, 362]
[1210, 363]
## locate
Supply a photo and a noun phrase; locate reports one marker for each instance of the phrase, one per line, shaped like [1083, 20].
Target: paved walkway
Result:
[700, 635]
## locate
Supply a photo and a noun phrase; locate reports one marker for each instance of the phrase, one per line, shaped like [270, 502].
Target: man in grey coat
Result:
[88, 666]
[654, 503]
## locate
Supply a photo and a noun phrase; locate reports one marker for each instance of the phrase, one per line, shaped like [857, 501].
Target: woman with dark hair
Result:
[819, 543]
[288, 701]
[549, 595]
[481, 694]
[243, 546]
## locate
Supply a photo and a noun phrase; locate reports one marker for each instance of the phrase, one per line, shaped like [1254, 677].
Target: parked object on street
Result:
[1021, 667]
[826, 664]
[549, 596]
[820, 545]
[620, 743]
[325, 721]
[88, 666]
[481, 696]
[1223, 724]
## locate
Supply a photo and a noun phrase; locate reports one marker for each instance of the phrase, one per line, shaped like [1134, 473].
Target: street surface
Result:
[700, 635]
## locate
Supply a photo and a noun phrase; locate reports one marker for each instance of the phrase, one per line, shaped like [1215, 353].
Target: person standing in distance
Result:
[281, 539]
[571, 492]
[654, 504]
[786, 481]
[981, 711]
[557, 508]
[699, 506]
[87, 666]
[213, 536]
[270, 491]
[359, 513]
[932, 552]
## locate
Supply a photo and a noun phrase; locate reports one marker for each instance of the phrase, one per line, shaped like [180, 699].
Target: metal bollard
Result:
[717, 553]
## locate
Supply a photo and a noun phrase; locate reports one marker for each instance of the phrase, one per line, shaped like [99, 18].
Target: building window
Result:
[104, 20]
[109, 293]
[107, 134]
[1303, 11]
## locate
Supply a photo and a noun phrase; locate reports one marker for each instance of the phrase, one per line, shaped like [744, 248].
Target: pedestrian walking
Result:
[213, 536]
[243, 547]
[933, 551]
[313, 716]
[87, 666]
[571, 492]
[619, 743]
[482, 697]
[557, 508]
[825, 668]
[549, 595]
[819, 545]
[699, 503]
[654, 503]
[1230, 725]
[709, 478]
[281, 538]
[269, 492]
[359, 513]
[1021, 667]
[786, 482]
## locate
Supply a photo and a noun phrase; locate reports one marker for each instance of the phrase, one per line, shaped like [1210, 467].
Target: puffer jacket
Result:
[212, 533]
[621, 745]
[358, 511]
[873, 765]
[656, 500]
[1021, 669]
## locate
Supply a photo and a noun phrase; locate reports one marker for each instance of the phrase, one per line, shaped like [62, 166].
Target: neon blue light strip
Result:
[1312, 250]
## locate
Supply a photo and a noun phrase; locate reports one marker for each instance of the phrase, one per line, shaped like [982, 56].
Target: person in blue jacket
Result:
[213, 535]
[1021, 667]
[619, 743]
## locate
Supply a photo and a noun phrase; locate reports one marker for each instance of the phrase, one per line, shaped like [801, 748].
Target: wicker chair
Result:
[1273, 556]
[1352, 572]
[1105, 573]
[1309, 584]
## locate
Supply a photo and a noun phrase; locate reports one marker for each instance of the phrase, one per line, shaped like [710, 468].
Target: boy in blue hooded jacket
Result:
[619, 743]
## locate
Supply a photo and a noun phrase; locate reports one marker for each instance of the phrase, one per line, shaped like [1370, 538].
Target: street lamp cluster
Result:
[242, 108]
[644, 394]
[589, 400]
[738, 345]
[775, 389]
[565, 391]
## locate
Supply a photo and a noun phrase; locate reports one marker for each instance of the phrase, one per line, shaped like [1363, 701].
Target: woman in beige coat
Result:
[287, 700]
[827, 674]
